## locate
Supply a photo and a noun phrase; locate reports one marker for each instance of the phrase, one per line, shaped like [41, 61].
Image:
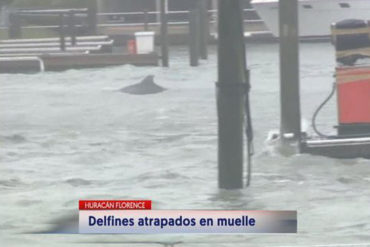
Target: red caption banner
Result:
[114, 205]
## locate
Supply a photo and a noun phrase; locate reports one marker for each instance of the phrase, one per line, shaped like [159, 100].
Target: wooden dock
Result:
[59, 62]
[33, 55]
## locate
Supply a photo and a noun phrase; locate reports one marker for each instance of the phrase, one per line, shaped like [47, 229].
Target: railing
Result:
[132, 19]
[174, 17]
[52, 11]
[63, 17]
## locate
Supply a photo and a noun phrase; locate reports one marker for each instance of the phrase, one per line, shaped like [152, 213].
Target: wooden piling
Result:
[204, 29]
[92, 18]
[194, 37]
[15, 26]
[72, 27]
[289, 71]
[164, 35]
[62, 33]
[231, 84]
[146, 20]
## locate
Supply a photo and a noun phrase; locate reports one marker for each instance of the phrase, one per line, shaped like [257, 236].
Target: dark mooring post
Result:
[164, 34]
[204, 29]
[15, 26]
[290, 128]
[194, 33]
[92, 18]
[72, 27]
[146, 20]
[232, 79]
[62, 39]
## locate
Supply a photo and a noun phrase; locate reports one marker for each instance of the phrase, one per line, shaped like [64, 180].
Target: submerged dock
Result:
[70, 49]
[55, 54]
[59, 62]
[32, 55]
[346, 148]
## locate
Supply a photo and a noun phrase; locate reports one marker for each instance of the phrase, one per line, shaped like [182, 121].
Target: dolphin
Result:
[146, 86]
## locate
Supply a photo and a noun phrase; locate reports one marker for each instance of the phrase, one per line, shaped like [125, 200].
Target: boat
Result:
[315, 16]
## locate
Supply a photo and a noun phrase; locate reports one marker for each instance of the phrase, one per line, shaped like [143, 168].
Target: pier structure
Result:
[34, 55]
[67, 23]
[122, 18]
[68, 51]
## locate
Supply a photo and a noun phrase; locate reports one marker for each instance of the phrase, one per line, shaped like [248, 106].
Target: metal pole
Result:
[204, 28]
[164, 34]
[194, 37]
[232, 80]
[290, 128]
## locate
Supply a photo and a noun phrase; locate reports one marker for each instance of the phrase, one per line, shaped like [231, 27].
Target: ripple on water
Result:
[13, 139]
[11, 183]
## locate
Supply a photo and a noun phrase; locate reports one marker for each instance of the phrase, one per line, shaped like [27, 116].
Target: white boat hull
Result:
[315, 16]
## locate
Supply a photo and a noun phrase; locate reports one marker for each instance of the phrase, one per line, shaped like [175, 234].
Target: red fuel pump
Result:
[352, 42]
[353, 91]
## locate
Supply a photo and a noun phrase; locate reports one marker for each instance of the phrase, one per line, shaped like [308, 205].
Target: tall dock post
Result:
[72, 27]
[92, 17]
[204, 29]
[194, 40]
[290, 128]
[232, 80]
[62, 33]
[164, 35]
[146, 20]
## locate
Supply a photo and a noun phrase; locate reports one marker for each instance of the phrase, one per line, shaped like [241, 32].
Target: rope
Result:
[245, 87]
[248, 132]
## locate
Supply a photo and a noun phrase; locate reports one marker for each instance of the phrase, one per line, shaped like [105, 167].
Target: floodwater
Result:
[70, 135]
